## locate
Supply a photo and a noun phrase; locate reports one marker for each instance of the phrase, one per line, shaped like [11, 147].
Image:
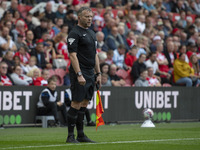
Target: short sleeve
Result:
[72, 42]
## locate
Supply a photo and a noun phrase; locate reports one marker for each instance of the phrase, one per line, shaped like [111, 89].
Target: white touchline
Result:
[117, 142]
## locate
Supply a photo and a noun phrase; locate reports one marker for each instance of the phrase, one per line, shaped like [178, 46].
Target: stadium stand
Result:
[172, 21]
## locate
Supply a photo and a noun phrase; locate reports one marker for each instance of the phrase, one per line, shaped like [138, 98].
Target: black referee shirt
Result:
[83, 42]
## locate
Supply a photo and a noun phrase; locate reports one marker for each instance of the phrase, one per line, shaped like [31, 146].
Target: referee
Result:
[84, 66]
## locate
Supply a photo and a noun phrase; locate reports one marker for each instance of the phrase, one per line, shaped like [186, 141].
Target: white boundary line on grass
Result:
[117, 142]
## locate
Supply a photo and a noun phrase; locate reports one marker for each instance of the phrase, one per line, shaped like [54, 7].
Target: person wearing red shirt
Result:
[131, 56]
[4, 78]
[42, 81]
[23, 55]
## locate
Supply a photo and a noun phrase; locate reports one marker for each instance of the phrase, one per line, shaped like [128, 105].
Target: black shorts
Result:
[82, 92]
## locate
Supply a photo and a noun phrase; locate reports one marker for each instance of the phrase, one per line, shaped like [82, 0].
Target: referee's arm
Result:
[74, 62]
[97, 69]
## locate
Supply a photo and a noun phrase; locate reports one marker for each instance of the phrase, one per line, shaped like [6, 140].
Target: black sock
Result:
[87, 114]
[72, 117]
[79, 121]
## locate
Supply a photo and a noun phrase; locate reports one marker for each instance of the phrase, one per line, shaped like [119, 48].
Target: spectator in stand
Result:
[196, 7]
[57, 26]
[179, 6]
[135, 28]
[115, 80]
[38, 52]
[197, 24]
[98, 20]
[142, 81]
[137, 66]
[3, 8]
[30, 40]
[114, 39]
[156, 40]
[20, 42]
[104, 67]
[183, 73]
[152, 63]
[152, 79]
[105, 81]
[16, 60]
[19, 78]
[162, 62]
[198, 44]
[8, 58]
[136, 5]
[109, 23]
[50, 52]
[13, 6]
[6, 43]
[148, 5]
[19, 29]
[29, 22]
[8, 16]
[48, 13]
[64, 29]
[17, 17]
[42, 81]
[48, 103]
[121, 30]
[61, 46]
[182, 49]
[141, 22]
[42, 28]
[23, 55]
[10, 27]
[109, 59]
[118, 57]
[131, 39]
[195, 64]
[170, 55]
[167, 5]
[34, 74]
[31, 64]
[130, 57]
[101, 45]
[102, 57]
[182, 21]
[141, 46]
[191, 49]
[44, 38]
[60, 13]
[5, 79]
[70, 19]
[50, 30]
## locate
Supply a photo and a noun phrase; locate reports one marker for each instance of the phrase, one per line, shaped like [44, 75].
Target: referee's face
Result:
[85, 19]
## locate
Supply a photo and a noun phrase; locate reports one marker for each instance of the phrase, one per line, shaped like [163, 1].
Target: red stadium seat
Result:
[122, 73]
[60, 73]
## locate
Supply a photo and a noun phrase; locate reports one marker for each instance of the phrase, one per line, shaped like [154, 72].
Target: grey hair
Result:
[83, 9]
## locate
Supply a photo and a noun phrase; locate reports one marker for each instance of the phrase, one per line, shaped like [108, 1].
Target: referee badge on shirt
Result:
[71, 40]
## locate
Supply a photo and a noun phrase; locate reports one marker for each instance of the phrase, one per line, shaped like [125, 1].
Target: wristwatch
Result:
[79, 73]
[99, 73]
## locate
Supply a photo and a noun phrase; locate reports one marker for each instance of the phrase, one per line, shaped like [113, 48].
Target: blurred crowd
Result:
[139, 42]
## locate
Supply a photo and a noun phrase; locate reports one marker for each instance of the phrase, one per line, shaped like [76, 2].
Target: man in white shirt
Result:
[6, 43]
[118, 57]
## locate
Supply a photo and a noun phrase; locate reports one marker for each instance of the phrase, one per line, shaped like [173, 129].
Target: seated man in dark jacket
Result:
[138, 66]
[48, 103]
[38, 52]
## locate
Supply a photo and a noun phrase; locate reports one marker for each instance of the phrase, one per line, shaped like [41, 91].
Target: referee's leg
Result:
[72, 116]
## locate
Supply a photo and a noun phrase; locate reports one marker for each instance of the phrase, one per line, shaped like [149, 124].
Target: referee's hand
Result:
[81, 80]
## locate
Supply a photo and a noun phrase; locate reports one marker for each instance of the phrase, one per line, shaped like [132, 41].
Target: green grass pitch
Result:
[165, 136]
